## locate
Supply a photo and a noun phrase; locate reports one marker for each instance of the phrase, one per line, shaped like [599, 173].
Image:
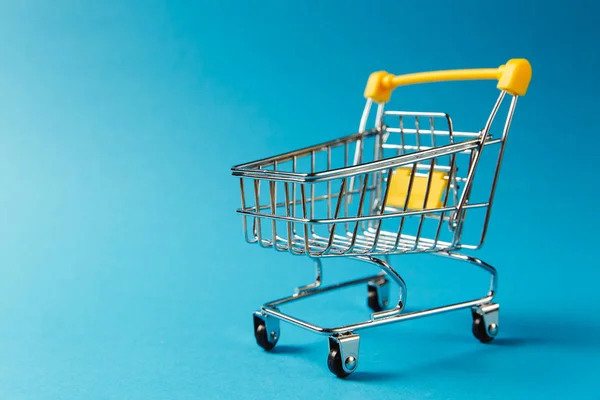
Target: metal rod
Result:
[354, 170]
[361, 218]
[270, 308]
[359, 211]
[513, 105]
[372, 323]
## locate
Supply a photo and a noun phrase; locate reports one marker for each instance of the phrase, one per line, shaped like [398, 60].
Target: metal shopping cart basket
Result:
[404, 186]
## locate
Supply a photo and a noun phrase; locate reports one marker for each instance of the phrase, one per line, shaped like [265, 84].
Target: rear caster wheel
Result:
[266, 331]
[335, 365]
[479, 330]
[343, 354]
[485, 322]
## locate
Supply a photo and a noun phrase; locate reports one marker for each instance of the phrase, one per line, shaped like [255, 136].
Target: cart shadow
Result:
[564, 332]
[371, 376]
[516, 341]
[527, 331]
[523, 332]
[289, 349]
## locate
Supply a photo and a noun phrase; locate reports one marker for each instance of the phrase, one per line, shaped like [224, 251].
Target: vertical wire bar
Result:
[304, 215]
[382, 211]
[312, 192]
[457, 232]
[379, 115]
[365, 116]
[459, 226]
[362, 152]
[402, 219]
[402, 139]
[380, 178]
[244, 217]
[349, 192]
[287, 214]
[433, 145]
[375, 192]
[361, 161]
[359, 212]
[446, 197]
[432, 125]
[511, 110]
[427, 193]
[370, 193]
[450, 129]
[257, 203]
[273, 189]
[418, 133]
[294, 185]
[338, 206]
[328, 183]
[455, 186]
[273, 212]
[374, 196]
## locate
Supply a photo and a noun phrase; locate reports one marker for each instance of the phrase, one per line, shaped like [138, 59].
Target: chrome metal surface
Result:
[392, 274]
[322, 185]
[351, 363]
[332, 199]
[318, 279]
[388, 316]
[348, 345]
[381, 287]
[490, 314]
[493, 329]
[372, 323]
[271, 326]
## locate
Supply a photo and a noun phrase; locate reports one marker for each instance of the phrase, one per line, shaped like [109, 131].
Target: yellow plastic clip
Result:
[399, 189]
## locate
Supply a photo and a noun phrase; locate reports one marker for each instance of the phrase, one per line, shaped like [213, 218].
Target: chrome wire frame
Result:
[341, 210]
[325, 201]
[382, 317]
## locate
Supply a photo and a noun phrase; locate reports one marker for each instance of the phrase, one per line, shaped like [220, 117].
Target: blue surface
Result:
[124, 270]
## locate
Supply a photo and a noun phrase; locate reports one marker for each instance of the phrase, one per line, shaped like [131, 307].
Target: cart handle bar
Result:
[513, 77]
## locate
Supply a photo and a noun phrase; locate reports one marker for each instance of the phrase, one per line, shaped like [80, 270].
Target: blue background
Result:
[124, 270]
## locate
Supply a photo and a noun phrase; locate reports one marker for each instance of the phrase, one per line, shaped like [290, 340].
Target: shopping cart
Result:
[404, 186]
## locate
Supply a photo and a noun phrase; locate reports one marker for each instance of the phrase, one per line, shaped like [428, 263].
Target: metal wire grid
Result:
[315, 201]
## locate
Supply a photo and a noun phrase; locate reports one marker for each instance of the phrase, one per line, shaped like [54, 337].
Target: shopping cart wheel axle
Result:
[266, 330]
[485, 322]
[343, 354]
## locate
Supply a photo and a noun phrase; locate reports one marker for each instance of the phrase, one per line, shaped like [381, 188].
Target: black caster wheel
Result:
[479, 330]
[343, 354]
[265, 338]
[377, 295]
[334, 363]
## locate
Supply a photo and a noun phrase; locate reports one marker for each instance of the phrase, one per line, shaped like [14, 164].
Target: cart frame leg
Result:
[383, 317]
[344, 339]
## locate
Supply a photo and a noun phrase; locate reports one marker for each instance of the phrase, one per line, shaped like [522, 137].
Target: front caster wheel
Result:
[343, 354]
[334, 363]
[485, 322]
[266, 331]
[479, 330]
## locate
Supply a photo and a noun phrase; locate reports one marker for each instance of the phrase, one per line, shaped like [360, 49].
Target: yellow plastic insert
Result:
[514, 77]
[399, 188]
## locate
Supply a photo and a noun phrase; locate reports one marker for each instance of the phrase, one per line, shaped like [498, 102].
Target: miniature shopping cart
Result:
[410, 184]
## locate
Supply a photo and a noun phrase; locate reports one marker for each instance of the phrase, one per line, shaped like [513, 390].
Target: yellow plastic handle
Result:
[514, 77]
